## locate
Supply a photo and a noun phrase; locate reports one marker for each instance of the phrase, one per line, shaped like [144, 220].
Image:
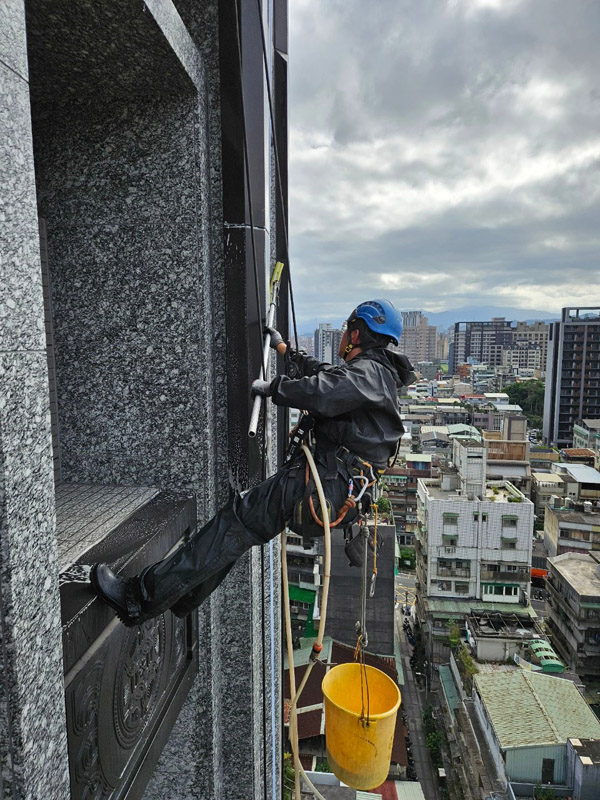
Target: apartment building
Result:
[547, 488]
[402, 494]
[428, 370]
[442, 346]
[572, 374]
[327, 343]
[572, 530]
[581, 482]
[573, 611]
[586, 433]
[510, 443]
[542, 457]
[480, 341]
[473, 541]
[578, 455]
[487, 342]
[486, 378]
[533, 333]
[304, 567]
[490, 417]
[419, 340]
[507, 453]
[564, 486]
[523, 355]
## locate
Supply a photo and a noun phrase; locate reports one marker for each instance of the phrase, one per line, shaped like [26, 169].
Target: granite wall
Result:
[32, 715]
[135, 150]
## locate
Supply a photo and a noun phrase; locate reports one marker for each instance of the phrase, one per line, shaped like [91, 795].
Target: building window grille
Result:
[449, 539]
[450, 519]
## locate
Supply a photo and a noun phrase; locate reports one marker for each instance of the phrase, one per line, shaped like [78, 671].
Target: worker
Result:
[357, 427]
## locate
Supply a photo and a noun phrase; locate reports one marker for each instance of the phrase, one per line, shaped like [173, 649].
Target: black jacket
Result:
[354, 405]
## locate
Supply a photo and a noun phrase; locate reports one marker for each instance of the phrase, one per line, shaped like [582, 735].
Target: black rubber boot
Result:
[121, 594]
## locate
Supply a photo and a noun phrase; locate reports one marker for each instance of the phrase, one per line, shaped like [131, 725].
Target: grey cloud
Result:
[472, 100]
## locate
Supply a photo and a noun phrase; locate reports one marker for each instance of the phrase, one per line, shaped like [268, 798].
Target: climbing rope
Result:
[318, 644]
[363, 638]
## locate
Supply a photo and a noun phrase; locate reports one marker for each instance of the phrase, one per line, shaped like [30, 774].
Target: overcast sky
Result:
[444, 153]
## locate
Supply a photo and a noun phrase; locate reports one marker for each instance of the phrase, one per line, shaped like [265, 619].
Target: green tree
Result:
[434, 744]
[530, 396]
[384, 506]
[454, 635]
[288, 776]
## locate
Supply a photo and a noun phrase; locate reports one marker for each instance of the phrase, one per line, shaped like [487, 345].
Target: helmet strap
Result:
[350, 346]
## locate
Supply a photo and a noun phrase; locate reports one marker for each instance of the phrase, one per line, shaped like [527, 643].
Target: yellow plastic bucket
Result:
[359, 754]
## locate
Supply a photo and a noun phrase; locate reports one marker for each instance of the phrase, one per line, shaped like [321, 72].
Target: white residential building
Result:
[473, 540]
[327, 342]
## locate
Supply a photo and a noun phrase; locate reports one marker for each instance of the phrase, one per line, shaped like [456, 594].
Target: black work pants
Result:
[195, 569]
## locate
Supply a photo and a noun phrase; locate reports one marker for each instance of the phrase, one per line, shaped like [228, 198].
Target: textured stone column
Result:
[32, 715]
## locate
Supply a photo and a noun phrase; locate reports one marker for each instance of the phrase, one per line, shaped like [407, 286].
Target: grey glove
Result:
[276, 337]
[260, 388]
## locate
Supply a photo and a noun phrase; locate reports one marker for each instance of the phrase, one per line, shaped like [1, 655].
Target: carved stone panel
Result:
[124, 687]
[118, 701]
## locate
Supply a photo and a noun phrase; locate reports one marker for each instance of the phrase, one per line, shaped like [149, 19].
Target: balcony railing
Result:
[503, 575]
[453, 572]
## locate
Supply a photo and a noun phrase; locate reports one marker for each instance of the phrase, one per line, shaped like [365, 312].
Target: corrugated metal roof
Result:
[398, 790]
[441, 605]
[547, 477]
[409, 790]
[582, 473]
[528, 708]
[448, 686]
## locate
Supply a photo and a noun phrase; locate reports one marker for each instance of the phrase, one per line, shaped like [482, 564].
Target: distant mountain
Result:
[444, 319]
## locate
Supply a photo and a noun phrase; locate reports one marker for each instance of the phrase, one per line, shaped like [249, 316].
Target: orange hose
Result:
[349, 503]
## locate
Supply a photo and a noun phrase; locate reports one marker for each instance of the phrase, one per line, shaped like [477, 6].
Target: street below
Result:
[413, 703]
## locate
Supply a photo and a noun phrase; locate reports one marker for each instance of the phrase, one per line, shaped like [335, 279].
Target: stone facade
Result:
[122, 142]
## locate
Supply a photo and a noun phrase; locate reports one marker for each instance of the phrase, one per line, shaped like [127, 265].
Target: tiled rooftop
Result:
[549, 710]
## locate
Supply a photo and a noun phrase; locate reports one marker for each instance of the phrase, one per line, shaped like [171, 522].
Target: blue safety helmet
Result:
[380, 316]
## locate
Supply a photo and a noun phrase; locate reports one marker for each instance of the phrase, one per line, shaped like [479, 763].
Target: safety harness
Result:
[363, 476]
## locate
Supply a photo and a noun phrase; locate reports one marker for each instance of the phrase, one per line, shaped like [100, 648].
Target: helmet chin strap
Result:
[350, 347]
